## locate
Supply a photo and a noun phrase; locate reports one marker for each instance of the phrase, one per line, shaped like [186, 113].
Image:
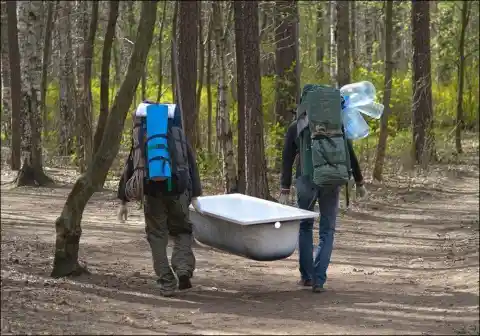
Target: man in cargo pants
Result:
[164, 216]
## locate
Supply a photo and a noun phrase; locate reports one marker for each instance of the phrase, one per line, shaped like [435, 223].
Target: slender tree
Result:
[15, 84]
[382, 140]
[422, 108]
[68, 225]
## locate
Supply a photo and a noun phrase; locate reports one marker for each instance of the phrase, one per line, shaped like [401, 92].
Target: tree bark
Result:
[68, 227]
[105, 74]
[67, 92]
[224, 132]
[256, 166]
[353, 34]
[188, 16]
[461, 69]
[368, 36]
[239, 52]
[15, 85]
[201, 73]
[160, 52]
[286, 83]
[80, 38]
[87, 103]
[30, 22]
[320, 39]
[343, 43]
[5, 84]
[172, 51]
[209, 88]
[332, 44]
[382, 140]
[47, 51]
[423, 136]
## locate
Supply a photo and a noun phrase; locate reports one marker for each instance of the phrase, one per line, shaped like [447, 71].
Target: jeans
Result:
[327, 198]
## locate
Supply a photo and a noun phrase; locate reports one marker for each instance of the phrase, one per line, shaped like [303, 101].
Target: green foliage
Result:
[445, 32]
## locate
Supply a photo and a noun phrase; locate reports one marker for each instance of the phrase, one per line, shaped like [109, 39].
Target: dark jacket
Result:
[195, 187]
[290, 151]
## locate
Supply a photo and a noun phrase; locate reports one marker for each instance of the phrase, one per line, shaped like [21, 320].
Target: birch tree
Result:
[224, 131]
[68, 224]
[30, 25]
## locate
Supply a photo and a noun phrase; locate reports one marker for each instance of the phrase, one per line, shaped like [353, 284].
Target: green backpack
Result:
[323, 146]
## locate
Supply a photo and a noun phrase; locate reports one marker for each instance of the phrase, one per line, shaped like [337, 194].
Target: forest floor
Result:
[406, 261]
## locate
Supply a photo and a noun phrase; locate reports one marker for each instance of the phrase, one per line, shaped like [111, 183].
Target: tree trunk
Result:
[30, 22]
[209, 88]
[320, 39]
[116, 65]
[173, 71]
[130, 13]
[343, 43]
[15, 85]
[401, 61]
[286, 83]
[239, 52]
[105, 74]
[47, 51]
[368, 35]
[256, 166]
[353, 34]
[461, 68]
[423, 136]
[144, 84]
[6, 98]
[68, 225]
[201, 66]
[333, 45]
[224, 132]
[87, 103]
[188, 16]
[382, 140]
[67, 92]
[160, 52]
[80, 38]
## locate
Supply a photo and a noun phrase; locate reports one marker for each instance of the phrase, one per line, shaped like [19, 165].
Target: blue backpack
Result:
[160, 154]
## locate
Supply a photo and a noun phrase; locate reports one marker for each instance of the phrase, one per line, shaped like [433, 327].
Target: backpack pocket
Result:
[329, 157]
[180, 169]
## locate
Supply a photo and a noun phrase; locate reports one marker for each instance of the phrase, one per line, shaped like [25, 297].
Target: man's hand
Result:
[122, 213]
[361, 191]
[196, 205]
[284, 193]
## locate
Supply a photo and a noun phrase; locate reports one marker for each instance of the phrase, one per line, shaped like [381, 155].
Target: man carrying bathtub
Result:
[313, 272]
[167, 216]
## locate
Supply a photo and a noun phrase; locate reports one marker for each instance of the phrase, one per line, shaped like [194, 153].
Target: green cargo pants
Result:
[166, 216]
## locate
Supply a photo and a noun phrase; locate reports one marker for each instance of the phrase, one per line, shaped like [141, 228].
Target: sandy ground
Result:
[405, 262]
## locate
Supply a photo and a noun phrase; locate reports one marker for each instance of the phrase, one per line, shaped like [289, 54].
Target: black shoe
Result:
[305, 283]
[166, 290]
[184, 282]
[318, 289]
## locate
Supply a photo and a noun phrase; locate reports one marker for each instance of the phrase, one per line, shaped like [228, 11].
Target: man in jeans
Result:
[314, 272]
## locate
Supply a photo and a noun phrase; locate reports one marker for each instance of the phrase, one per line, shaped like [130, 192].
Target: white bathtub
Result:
[245, 226]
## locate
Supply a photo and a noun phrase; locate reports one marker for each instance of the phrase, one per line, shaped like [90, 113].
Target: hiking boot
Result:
[318, 289]
[305, 283]
[166, 290]
[184, 282]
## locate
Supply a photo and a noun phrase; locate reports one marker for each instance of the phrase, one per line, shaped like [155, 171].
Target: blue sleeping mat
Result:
[158, 157]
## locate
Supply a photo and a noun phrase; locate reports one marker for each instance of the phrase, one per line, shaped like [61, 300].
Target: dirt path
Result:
[405, 263]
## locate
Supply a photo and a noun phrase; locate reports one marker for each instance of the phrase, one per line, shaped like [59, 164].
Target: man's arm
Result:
[357, 173]
[288, 156]
[127, 173]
